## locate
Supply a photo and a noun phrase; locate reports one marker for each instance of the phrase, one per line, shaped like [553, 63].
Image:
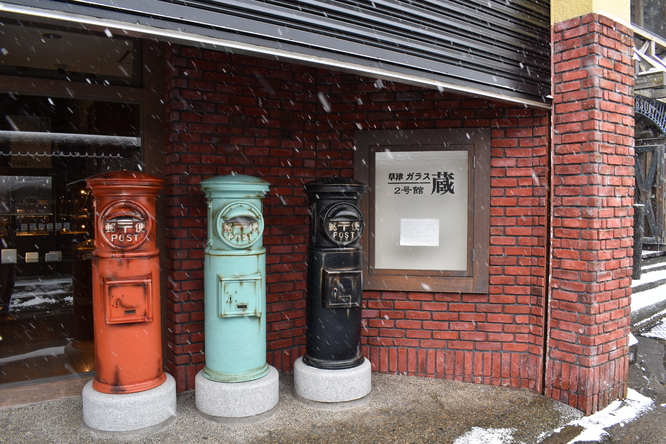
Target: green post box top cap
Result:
[235, 182]
[335, 184]
[118, 177]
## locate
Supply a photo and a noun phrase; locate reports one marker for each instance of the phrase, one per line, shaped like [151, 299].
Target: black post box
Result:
[335, 284]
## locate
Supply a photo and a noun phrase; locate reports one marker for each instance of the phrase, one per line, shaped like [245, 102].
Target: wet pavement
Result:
[400, 409]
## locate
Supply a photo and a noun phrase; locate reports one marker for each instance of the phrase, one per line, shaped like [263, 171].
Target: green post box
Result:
[235, 301]
[235, 279]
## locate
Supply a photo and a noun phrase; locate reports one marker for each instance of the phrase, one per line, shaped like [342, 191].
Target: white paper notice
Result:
[419, 232]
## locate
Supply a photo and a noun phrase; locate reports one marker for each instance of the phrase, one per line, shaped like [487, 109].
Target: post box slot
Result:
[342, 289]
[127, 300]
[240, 295]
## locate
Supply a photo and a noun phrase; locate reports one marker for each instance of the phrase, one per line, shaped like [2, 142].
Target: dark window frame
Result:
[477, 141]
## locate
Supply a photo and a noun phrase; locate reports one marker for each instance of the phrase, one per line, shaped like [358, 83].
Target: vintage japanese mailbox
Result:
[335, 284]
[235, 279]
[126, 283]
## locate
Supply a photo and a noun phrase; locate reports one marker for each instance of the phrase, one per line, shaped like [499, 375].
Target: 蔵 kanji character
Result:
[442, 183]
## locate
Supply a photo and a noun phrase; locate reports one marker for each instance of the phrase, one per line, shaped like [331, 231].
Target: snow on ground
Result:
[38, 300]
[657, 332]
[653, 296]
[42, 293]
[648, 297]
[618, 412]
[480, 435]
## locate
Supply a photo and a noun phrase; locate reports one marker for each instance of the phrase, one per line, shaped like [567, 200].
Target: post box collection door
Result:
[335, 284]
[126, 283]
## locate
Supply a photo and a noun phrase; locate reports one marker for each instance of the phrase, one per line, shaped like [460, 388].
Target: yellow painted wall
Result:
[618, 10]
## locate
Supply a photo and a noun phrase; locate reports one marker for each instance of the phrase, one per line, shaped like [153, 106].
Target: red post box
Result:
[126, 283]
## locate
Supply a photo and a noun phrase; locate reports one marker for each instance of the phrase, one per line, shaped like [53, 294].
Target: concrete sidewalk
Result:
[400, 409]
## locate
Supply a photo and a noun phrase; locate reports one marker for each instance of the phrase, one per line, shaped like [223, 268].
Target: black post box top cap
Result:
[335, 184]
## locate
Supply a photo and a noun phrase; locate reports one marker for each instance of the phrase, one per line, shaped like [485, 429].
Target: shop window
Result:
[48, 146]
[427, 209]
[73, 103]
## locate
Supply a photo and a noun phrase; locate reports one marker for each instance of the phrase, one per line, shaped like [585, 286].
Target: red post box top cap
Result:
[115, 177]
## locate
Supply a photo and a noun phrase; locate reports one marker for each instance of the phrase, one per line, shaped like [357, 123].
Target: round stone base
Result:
[238, 402]
[332, 386]
[131, 411]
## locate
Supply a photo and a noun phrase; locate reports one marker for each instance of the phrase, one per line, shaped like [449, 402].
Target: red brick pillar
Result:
[593, 186]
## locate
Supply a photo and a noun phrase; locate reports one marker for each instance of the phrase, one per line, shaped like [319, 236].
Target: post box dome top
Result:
[122, 177]
[335, 184]
[235, 182]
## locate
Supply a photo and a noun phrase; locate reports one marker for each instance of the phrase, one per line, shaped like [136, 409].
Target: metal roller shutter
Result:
[492, 47]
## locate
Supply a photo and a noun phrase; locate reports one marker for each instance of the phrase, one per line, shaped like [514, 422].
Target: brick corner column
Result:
[593, 187]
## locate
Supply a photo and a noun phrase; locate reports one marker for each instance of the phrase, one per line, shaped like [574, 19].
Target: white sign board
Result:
[421, 209]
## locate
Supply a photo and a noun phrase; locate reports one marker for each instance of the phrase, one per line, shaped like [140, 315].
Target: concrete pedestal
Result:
[238, 402]
[332, 386]
[129, 412]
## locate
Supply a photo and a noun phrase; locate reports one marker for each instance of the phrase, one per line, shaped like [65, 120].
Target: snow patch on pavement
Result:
[480, 435]
[618, 412]
[632, 340]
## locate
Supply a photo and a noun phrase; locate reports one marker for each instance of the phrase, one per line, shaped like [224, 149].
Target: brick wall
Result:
[243, 115]
[593, 182]
[557, 326]
[289, 124]
[494, 338]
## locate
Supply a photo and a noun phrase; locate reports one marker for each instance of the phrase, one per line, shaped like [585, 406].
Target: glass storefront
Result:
[49, 144]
